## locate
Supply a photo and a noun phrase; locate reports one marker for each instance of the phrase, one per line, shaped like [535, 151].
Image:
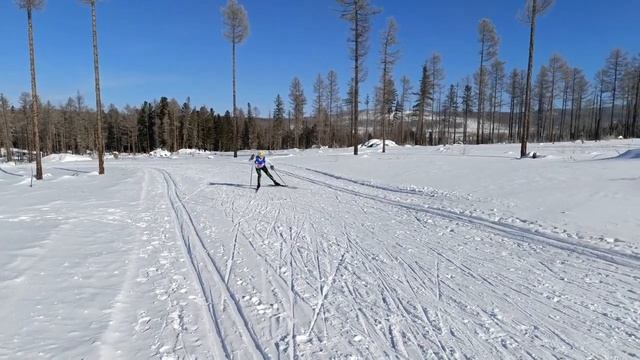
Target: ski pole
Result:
[251, 170]
[280, 177]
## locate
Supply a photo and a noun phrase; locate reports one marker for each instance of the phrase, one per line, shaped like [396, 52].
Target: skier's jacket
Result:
[261, 162]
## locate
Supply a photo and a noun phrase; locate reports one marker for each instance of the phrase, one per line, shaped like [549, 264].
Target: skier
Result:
[261, 163]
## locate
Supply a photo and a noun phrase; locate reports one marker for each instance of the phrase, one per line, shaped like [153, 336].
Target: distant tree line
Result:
[492, 105]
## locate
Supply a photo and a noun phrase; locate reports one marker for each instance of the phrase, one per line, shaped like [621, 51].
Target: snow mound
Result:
[191, 152]
[629, 155]
[535, 155]
[65, 158]
[160, 153]
[378, 143]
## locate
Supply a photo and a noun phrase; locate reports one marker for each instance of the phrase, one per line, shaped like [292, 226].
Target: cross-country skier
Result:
[261, 164]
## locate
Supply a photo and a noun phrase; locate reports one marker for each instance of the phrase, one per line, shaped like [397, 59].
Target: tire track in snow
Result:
[210, 275]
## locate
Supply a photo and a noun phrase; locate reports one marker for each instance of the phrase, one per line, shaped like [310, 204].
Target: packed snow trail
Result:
[403, 275]
[180, 258]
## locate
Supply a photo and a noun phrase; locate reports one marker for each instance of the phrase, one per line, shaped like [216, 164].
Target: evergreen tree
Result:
[467, 104]
[278, 122]
[144, 133]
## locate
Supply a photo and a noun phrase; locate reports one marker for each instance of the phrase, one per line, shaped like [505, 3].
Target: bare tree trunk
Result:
[356, 81]
[599, 116]
[330, 113]
[384, 110]
[480, 99]
[552, 106]
[573, 102]
[235, 111]
[96, 68]
[7, 135]
[635, 107]
[563, 113]
[34, 99]
[613, 100]
[527, 97]
[366, 124]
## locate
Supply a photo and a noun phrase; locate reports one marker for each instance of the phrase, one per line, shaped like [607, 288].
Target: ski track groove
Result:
[387, 292]
[509, 231]
[183, 217]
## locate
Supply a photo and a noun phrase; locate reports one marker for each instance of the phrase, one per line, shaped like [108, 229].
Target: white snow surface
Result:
[374, 143]
[446, 252]
[160, 153]
[54, 158]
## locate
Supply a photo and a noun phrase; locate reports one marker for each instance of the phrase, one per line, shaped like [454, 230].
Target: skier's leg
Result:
[259, 176]
[271, 177]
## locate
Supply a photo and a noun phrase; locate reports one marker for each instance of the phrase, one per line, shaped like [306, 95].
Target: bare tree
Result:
[437, 76]
[615, 66]
[333, 102]
[636, 105]
[388, 57]
[96, 70]
[489, 42]
[319, 101]
[29, 6]
[532, 9]
[4, 107]
[424, 96]
[367, 101]
[540, 94]
[496, 87]
[601, 86]
[358, 13]
[298, 101]
[404, 98]
[574, 72]
[236, 26]
[513, 92]
[556, 67]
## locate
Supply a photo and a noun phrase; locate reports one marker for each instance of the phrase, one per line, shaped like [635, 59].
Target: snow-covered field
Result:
[437, 253]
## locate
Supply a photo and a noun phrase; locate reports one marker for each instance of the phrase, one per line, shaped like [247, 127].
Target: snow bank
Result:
[65, 158]
[160, 153]
[629, 154]
[378, 143]
[191, 152]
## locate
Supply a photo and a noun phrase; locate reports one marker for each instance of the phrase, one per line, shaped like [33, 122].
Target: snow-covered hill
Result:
[435, 253]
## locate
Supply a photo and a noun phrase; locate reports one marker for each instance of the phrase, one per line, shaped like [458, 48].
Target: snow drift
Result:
[374, 143]
[65, 158]
[629, 155]
[160, 153]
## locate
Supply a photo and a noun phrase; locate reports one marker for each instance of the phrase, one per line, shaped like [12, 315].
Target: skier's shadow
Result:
[241, 186]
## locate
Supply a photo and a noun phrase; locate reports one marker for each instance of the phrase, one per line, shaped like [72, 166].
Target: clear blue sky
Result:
[175, 48]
